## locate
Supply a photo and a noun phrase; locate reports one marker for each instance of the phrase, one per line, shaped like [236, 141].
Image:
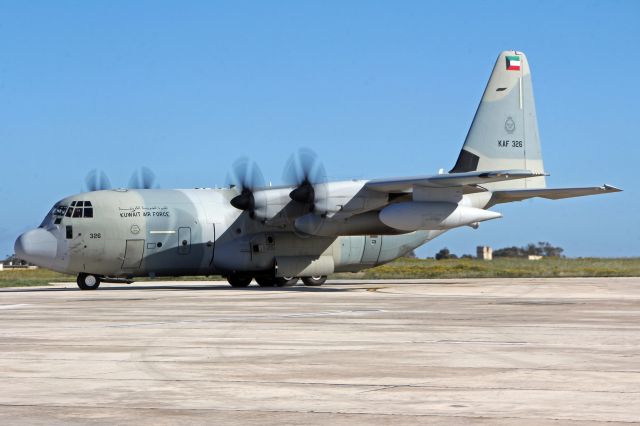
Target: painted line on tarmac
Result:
[18, 306]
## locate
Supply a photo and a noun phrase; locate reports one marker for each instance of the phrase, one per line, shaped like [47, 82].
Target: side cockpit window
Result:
[80, 209]
[57, 213]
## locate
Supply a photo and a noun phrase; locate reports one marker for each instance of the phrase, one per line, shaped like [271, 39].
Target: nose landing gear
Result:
[88, 281]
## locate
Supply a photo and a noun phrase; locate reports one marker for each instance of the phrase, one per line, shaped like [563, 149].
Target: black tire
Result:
[239, 280]
[286, 281]
[266, 281]
[314, 281]
[88, 281]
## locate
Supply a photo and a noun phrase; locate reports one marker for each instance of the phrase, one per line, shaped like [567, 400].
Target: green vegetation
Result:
[541, 249]
[31, 277]
[413, 268]
[502, 267]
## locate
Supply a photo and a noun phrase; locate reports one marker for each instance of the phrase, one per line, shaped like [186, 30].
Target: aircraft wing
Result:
[448, 180]
[548, 193]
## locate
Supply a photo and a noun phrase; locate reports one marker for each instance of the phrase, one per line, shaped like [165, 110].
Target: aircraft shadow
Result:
[174, 287]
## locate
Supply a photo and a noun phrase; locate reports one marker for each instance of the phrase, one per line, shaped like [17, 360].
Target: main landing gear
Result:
[270, 281]
[239, 280]
[314, 281]
[88, 281]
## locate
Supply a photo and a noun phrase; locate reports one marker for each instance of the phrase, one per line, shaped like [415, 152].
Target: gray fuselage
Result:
[132, 233]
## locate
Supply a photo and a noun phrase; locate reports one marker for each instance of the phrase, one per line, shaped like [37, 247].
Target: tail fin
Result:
[504, 131]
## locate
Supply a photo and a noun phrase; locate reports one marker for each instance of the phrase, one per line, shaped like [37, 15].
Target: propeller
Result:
[97, 180]
[143, 178]
[246, 175]
[305, 171]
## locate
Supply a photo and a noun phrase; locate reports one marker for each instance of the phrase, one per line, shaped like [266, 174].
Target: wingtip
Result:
[611, 188]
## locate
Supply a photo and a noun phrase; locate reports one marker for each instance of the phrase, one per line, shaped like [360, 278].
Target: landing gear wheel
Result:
[286, 281]
[266, 281]
[88, 281]
[314, 281]
[239, 280]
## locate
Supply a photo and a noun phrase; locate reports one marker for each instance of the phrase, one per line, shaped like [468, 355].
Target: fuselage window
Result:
[69, 230]
[77, 212]
[88, 212]
[69, 212]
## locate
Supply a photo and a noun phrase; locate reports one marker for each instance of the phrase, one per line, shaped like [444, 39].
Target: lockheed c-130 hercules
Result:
[311, 228]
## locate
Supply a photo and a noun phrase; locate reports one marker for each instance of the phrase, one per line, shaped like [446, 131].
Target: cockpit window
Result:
[77, 208]
[59, 210]
[56, 212]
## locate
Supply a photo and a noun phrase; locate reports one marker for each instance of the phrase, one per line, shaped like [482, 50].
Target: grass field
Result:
[31, 277]
[503, 267]
[416, 268]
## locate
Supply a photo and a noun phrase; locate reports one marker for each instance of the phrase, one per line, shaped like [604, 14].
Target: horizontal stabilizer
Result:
[448, 180]
[549, 193]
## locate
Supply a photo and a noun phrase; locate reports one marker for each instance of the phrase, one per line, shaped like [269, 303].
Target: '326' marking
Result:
[510, 144]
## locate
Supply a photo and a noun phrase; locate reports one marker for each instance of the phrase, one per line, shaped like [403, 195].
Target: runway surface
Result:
[445, 352]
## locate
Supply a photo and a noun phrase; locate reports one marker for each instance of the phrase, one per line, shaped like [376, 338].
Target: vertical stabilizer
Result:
[504, 131]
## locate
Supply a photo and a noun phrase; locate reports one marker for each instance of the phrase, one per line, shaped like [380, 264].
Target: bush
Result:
[541, 249]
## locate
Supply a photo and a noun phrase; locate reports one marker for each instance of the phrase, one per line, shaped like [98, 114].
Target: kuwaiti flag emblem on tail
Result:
[513, 63]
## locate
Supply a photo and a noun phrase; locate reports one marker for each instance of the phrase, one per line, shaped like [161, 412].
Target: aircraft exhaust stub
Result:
[412, 216]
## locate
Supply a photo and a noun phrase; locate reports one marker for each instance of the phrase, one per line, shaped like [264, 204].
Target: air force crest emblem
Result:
[510, 125]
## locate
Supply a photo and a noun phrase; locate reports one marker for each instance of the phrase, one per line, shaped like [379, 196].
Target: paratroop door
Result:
[133, 254]
[371, 252]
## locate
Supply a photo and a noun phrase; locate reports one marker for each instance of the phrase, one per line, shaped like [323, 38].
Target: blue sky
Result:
[377, 89]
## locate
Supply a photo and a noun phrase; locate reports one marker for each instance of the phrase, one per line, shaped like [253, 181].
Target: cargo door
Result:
[371, 251]
[184, 240]
[133, 254]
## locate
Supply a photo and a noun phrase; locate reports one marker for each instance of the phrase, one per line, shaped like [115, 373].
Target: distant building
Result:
[534, 257]
[12, 262]
[484, 252]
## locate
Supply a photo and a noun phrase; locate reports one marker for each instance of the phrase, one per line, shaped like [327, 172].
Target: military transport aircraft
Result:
[311, 228]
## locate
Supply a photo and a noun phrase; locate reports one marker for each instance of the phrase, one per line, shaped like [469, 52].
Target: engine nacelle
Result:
[413, 216]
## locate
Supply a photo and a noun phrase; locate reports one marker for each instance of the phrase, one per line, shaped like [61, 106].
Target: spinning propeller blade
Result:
[246, 175]
[97, 180]
[305, 171]
[143, 178]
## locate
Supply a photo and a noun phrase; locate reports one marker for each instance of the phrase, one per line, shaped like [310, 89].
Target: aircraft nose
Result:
[37, 246]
